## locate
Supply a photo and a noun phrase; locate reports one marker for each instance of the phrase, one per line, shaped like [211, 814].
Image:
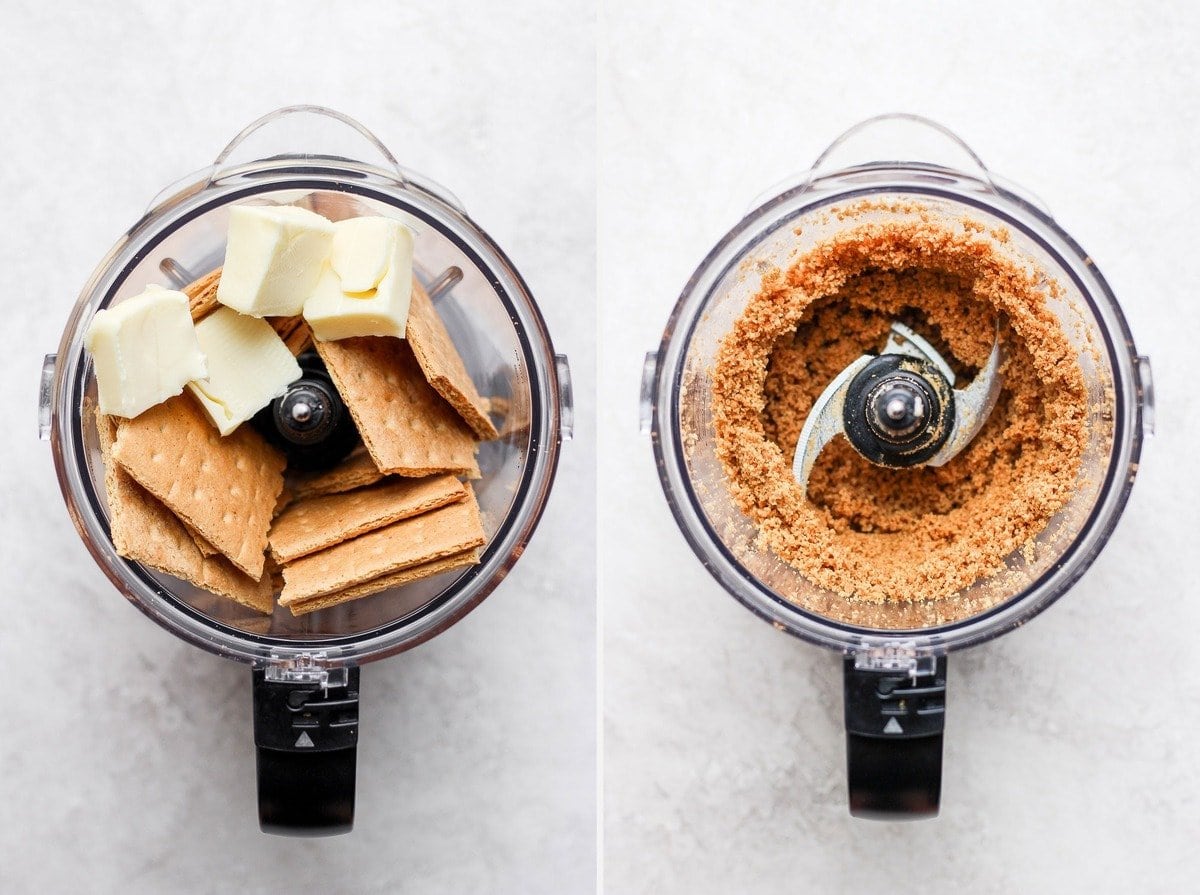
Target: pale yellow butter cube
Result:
[248, 367]
[144, 350]
[273, 258]
[362, 251]
[366, 287]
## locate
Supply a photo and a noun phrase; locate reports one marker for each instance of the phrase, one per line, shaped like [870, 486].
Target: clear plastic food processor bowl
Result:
[677, 400]
[484, 302]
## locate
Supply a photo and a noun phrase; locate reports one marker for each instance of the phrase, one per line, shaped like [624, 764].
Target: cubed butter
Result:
[273, 258]
[366, 287]
[248, 367]
[144, 350]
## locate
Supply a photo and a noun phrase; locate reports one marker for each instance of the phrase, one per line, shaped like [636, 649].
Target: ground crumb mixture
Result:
[876, 534]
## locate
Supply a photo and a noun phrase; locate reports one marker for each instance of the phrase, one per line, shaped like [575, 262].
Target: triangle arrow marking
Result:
[305, 741]
[893, 726]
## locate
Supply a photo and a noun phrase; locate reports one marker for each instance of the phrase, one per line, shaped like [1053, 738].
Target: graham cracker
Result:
[312, 525]
[410, 542]
[407, 427]
[442, 364]
[224, 487]
[146, 532]
[374, 586]
[295, 332]
[283, 501]
[202, 295]
[273, 573]
[204, 547]
[356, 471]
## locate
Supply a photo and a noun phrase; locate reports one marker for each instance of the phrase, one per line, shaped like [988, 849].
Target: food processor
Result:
[305, 678]
[895, 652]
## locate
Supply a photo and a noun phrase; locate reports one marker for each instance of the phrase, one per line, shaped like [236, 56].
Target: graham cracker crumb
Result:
[867, 534]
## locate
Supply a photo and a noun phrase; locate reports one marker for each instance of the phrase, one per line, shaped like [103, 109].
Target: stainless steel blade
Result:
[824, 422]
[903, 340]
[972, 406]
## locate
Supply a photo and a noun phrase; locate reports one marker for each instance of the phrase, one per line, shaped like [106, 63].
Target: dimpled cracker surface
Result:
[407, 427]
[202, 295]
[146, 532]
[395, 579]
[225, 488]
[312, 525]
[357, 471]
[409, 542]
[442, 364]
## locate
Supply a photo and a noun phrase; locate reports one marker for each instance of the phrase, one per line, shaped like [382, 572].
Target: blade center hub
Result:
[897, 408]
[303, 414]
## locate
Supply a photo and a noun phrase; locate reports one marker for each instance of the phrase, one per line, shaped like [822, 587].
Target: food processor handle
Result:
[317, 127]
[307, 739]
[900, 136]
[894, 724]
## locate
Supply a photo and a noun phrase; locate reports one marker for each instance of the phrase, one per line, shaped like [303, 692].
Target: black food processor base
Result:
[307, 739]
[894, 724]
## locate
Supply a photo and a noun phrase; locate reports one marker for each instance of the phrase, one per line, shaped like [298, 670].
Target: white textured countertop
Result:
[1070, 761]
[127, 761]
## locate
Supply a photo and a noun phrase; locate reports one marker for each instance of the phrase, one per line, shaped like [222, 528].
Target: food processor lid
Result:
[951, 174]
[182, 231]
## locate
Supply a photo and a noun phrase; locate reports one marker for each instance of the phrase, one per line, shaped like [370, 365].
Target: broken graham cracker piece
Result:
[321, 522]
[224, 487]
[274, 574]
[204, 547]
[202, 295]
[356, 471]
[443, 366]
[407, 427]
[386, 582]
[410, 542]
[295, 332]
[146, 532]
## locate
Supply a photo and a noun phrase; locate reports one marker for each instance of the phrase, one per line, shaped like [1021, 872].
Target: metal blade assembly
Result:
[900, 408]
